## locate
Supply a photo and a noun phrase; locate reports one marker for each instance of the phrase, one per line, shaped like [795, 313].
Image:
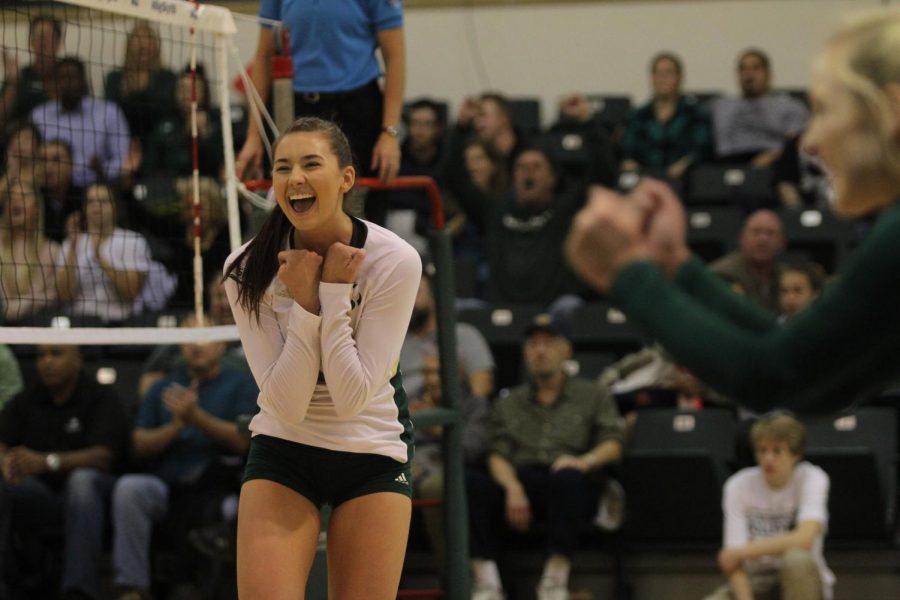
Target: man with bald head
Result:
[754, 266]
[59, 440]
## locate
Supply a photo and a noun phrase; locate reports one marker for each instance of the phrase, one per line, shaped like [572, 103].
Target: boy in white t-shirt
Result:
[776, 515]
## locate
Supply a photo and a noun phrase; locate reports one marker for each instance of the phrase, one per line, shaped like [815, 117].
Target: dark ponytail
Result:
[257, 265]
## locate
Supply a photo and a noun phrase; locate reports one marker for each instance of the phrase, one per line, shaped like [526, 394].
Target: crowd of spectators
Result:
[510, 188]
[93, 225]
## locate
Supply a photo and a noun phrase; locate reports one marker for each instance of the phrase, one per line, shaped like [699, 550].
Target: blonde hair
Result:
[212, 206]
[781, 428]
[21, 268]
[132, 81]
[864, 57]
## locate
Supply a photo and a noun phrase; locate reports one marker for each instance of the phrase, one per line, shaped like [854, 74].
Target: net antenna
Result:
[218, 24]
[195, 185]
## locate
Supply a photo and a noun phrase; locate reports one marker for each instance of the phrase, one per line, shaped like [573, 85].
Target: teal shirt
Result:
[844, 347]
[227, 396]
[657, 144]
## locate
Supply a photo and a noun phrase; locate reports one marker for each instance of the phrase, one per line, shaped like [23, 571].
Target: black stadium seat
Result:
[610, 110]
[674, 471]
[598, 326]
[730, 185]
[817, 235]
[858, 450]
[713, 231]
[525, 114]
[503, 327]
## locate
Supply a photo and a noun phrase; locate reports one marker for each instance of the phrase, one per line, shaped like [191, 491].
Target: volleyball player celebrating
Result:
[322, 302]
[846, 343]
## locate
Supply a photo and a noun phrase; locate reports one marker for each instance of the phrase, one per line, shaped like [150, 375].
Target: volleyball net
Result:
[118, 202]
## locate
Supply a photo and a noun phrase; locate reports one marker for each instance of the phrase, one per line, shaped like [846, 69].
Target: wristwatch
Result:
[53, 462]
[391, 131]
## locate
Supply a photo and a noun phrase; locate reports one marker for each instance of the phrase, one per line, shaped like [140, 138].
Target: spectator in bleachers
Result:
[215, 245]
[168, 358]
[61, 196]
[167, 150]
[421, 155]
[670, 132]
[485, 168]
[754, 127]
[28, 260]
[475, 361]
[488, 117]
[26, 88]
[553, 440]
[486, 172]
[427, 465]
[423, 148]
[523, 230]
[184, 430]
[10, 375]
[108, 272]
[21, 153]
[95, 129]
[142, 87]
[776, 515]
[798, 285]
[754, 266]
[59, 442]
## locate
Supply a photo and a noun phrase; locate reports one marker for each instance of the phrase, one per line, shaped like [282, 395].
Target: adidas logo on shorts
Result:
[401, 478]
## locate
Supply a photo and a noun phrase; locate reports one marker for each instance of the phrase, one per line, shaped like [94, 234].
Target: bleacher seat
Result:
[817, 235]
[597, 326]
[503, 327]
[568, 149]
[713, 231]
[611, 110]
[525, 114]
[674, 471]
[731, 185]
[858, 450]
[590, 364]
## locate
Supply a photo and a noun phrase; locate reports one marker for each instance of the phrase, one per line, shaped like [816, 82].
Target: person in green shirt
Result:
[844, 346]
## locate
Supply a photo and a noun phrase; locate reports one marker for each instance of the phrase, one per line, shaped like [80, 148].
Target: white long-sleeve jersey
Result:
[330, 380]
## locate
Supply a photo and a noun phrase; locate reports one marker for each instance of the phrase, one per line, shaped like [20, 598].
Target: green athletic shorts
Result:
[324, 476]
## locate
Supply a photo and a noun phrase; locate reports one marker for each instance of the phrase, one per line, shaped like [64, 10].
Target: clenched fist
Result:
[301, 271]
[342, 263]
